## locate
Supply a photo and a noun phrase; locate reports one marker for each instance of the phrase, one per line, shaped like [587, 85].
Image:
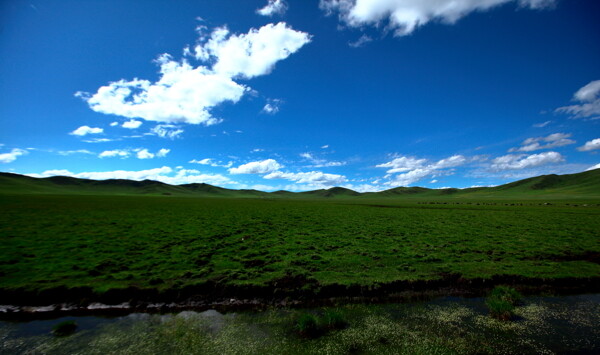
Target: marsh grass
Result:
[502, 301]
[64, 328]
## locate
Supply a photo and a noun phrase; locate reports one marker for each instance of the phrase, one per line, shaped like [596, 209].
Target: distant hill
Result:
[581, 185]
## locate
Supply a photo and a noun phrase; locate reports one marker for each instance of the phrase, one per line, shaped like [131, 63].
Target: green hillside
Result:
[581, 185]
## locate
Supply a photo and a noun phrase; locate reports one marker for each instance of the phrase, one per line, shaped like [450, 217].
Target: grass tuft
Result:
[502, 301]
[64, 328]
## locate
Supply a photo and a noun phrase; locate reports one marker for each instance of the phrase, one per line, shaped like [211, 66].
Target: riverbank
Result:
[541, 325]
[290, 292]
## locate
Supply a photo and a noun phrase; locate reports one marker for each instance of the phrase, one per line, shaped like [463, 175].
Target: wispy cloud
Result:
[211, 162]
[320, 163]
[588, 98]
[551, 141]
[524, 161]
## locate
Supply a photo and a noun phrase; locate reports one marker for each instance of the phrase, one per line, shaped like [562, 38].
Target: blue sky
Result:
[300, 95]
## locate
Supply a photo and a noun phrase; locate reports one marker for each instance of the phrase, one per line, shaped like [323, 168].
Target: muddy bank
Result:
[290, 291]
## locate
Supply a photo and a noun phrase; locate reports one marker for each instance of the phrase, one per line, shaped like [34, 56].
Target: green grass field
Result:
[167, 242]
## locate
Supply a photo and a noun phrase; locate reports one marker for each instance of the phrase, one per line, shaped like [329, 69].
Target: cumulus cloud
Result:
[166, 131]
[85, 130]
[164, 174]
[402, 164]
[315, 179]
[591, 145]
[12, 156]
[114, 124]
[163, 152]
[132, 124]
[211, 162]
[144, 154]
[597, 166]
[252, 54]
[413, 169]
[404, 16]
[185, 93]
[273, 7]
[523, 161]
[257, 167]
[588, 98]
[551, 141]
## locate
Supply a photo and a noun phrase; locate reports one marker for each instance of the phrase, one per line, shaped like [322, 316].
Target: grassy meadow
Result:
[169, 242]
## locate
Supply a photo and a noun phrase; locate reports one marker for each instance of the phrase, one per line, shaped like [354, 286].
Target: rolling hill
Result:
[580, 185]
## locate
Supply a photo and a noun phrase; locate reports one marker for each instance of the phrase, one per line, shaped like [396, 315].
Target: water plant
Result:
[64, 328]
[502, 301]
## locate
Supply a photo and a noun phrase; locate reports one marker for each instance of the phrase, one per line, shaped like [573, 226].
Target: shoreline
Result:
[21, 305]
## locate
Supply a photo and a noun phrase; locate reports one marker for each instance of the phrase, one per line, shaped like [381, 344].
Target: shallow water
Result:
[543, 325]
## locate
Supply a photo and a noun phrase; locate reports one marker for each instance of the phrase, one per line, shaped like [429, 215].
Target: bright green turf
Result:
[170, 242]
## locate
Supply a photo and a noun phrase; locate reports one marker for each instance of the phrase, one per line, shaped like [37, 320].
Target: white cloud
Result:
[187, 94]
[552, 141]
[542, 124]
[166, 131]
[272, 106]
[591, 145]
[273, 7]
[252, 54]
[71, 152]
[402, 164]
[163, 174]
[523, 161]
[404, 16]
[123, 153]
[597, 166]
[315, 179]
[208, 161]
[325, 146]
[589, 101]
[257, 167]
[85, 130]
[114, 124]
[163, 153]
[321, 163]
[140, 153]
[12, 156]
[98, 140]
[413, 169]
[132, 124]
[364, 39]
[144, 154]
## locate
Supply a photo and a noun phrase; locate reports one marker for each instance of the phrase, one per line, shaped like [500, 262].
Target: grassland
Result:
[165, 243]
